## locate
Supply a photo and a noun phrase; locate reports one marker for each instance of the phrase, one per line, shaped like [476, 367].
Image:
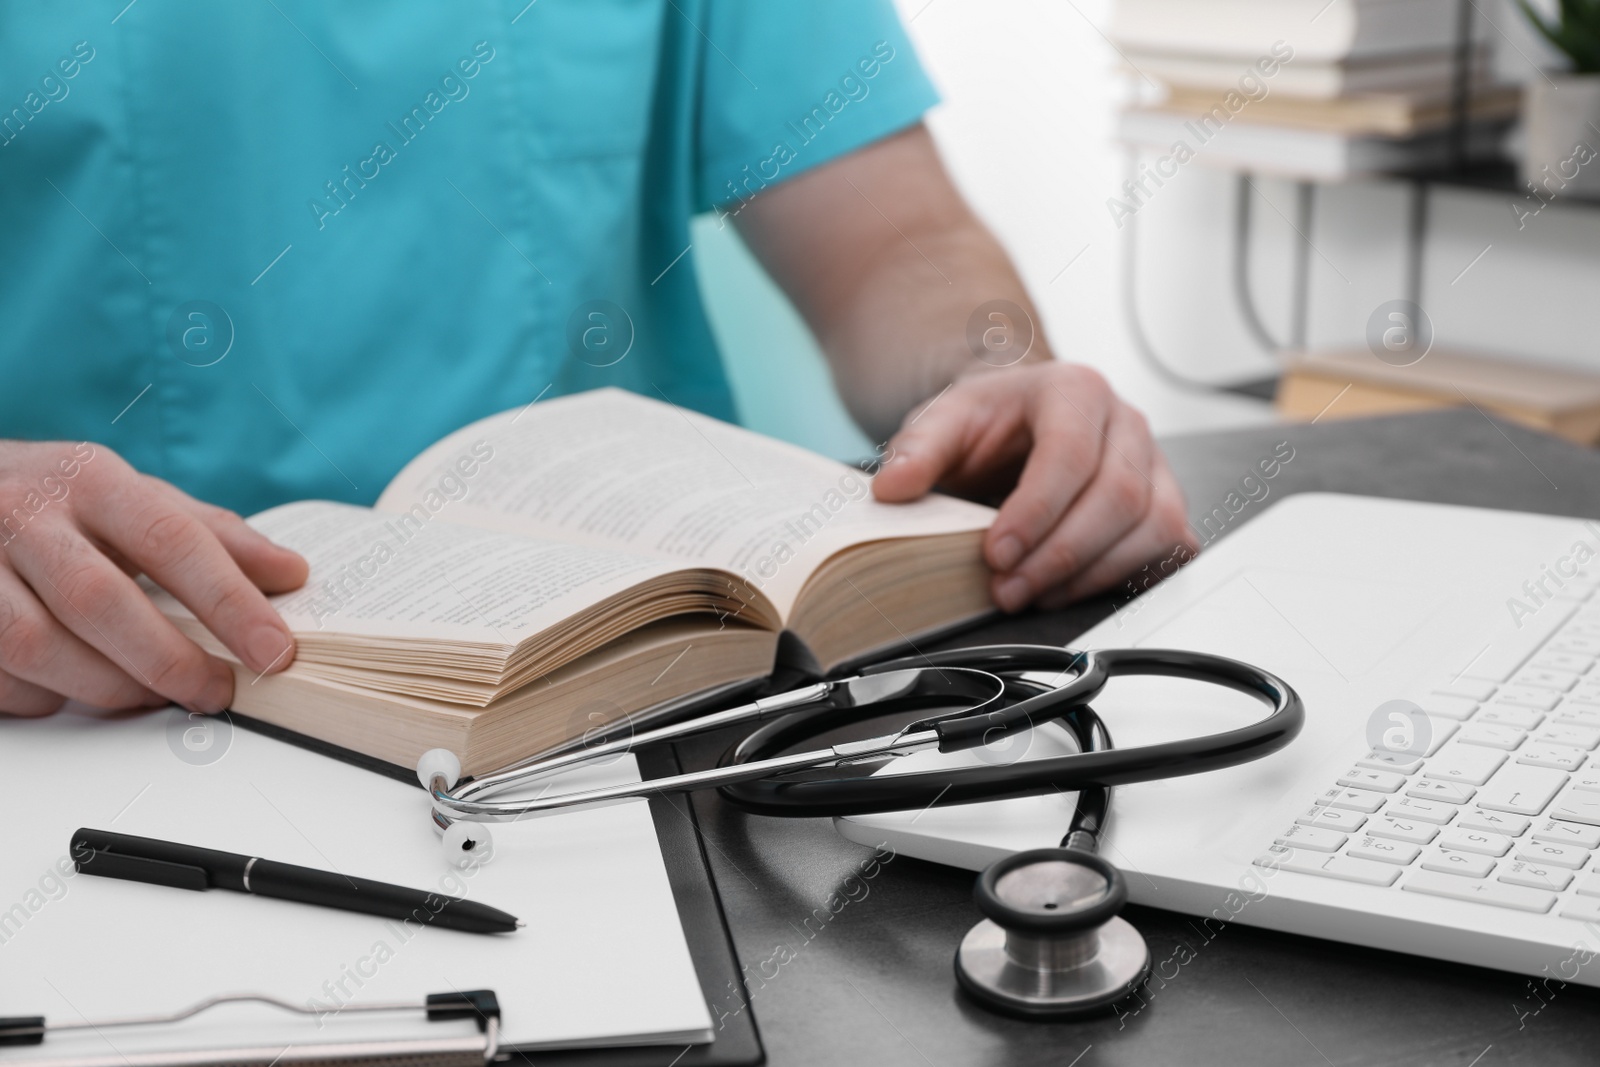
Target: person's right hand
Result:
[77, 524]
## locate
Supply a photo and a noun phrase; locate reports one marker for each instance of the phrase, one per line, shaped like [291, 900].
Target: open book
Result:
[546, 572]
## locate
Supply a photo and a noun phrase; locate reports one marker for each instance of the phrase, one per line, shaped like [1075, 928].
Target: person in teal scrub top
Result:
[262, 251]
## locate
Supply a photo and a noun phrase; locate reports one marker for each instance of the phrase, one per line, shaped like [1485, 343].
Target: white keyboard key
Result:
[1589, 884]
[1561, 733]
[1424, 810]
[1496, 822]
[1577, 712]
[1587, 778]
[1439, 731]
[1567, 833]
[1500, 660]
[1560, 757]
[1380, 851]
[1298, 836]
[1582, 644]
[1569, 856]
[1466, 687]
[1583, 909]
[1496, 893]
[1415, 833]
[1351, 800]
[1341, 867]
[1479, 841]
[1326, 818]
[1578, 806]
[1507, 715]
[1536, 876]
[1365, 778]
[1492, 735]
[1526, 696]
[1544, 678]
[1471, 764]
[1448, 792]
[1437, 705]
[1562, 661]
[1399, 762]
[1521, 790]
[1464, 864]
[1432, 732]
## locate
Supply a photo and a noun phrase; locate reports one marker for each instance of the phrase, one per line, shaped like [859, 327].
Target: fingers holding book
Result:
[77, 526]
[1088, 495]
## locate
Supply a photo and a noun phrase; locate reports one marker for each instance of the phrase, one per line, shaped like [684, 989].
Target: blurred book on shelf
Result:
[1352, 384]
[1426, 75]
[1317, 30]
[1308, 89]
[1387, 114]
[1303, 152]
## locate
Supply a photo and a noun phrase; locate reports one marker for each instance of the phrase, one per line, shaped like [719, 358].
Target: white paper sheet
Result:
[603, 959]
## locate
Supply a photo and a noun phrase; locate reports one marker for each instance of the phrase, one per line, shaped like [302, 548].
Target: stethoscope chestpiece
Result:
[1052, 945]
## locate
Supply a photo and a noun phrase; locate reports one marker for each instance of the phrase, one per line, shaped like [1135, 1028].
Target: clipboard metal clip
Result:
[469, 1051]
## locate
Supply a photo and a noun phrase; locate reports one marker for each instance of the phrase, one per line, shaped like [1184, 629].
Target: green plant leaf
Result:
[1576, 32]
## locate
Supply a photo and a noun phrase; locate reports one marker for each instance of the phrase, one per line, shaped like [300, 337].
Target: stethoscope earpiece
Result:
[1052, 944]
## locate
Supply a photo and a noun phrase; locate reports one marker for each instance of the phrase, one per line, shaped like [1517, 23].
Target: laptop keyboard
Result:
[1500, 802]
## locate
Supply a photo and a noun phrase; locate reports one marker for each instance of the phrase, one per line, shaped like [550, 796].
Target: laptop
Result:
[1443, 798]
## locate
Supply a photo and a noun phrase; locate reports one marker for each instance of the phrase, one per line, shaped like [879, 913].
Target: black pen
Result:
[143, 859]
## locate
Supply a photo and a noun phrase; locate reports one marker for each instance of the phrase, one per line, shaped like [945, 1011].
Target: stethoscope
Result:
[1051, 943]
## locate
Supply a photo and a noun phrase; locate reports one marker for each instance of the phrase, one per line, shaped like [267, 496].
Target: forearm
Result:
[926, 311]
[888, 265]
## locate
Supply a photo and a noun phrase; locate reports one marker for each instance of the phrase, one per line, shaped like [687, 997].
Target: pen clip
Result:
[138, 869]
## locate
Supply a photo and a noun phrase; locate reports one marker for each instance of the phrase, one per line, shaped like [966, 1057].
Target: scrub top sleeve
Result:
[788, 85]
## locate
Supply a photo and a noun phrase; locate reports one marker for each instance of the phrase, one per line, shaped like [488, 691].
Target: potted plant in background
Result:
[1561, 115]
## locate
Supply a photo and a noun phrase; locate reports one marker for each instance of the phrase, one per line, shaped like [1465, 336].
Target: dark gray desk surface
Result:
[875, 985]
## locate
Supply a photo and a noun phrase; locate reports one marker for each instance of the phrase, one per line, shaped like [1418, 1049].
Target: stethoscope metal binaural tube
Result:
[749, 772]
[906, 689]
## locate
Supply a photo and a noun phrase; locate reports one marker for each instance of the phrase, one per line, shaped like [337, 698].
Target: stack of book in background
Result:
[1318, 89]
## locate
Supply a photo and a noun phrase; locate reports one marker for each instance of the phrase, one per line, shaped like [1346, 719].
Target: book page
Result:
[650, 478]
[383, 575]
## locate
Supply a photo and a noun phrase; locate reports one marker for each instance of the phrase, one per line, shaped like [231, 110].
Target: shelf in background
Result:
[1499, 176]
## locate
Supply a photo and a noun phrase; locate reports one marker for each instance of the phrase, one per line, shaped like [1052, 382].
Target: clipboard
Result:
[737, 1042]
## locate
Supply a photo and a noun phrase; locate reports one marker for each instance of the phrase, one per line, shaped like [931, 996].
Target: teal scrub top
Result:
[271, 249]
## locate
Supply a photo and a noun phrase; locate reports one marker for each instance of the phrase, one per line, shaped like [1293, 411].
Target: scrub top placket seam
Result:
[151, 336]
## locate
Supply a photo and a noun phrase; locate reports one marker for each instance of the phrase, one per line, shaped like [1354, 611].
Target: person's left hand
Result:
[1090, 497]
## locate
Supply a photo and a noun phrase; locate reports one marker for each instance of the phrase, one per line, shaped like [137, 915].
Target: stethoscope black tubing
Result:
[965, 785]
[1094, 801]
